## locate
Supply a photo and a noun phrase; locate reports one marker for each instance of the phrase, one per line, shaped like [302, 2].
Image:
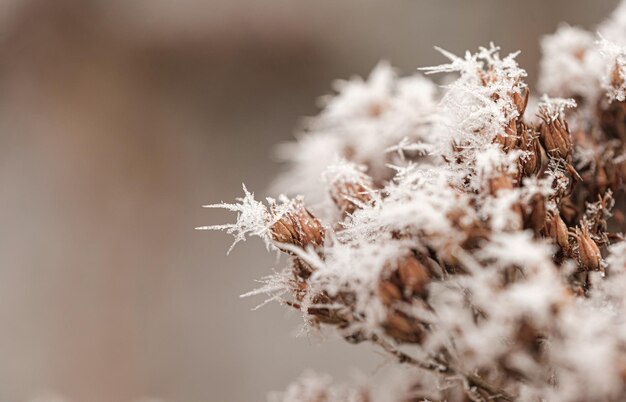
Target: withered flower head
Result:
[589, 255]
[557, 230]
[349, 186]
[520, 99]
[508, 139]
[530, 161]
[555, 136]
[297, 226]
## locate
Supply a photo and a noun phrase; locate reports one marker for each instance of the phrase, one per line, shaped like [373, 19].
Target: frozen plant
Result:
[471, 239]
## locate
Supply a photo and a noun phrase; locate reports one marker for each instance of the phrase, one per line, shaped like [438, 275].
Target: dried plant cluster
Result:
[471, 230]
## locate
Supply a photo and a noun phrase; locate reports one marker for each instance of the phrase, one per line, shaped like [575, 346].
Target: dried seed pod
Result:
[413, 275]
[300, 268]
[616, 76]
[557, 230]
[531, 162]
[556, 137]
[401, 280]
[508, 140]
[403, 328]
[351, 191]
[327, 315]
[298, 226]
[589, 256]
[520, 99]
[388, 292]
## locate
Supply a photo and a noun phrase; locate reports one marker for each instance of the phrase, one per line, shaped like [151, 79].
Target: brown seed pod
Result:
[388, 292]
[401, 280]
[413, 275]
[403, 328]
[298, 226]
[508, 140]
[557, 230]
[589, 256]
[556, 137]
[520, 99]
[350, 193]
[529, 142]
[616, 76]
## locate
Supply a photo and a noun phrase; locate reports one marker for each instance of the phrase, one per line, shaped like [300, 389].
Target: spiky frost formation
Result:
[360, 123]
[459, 223]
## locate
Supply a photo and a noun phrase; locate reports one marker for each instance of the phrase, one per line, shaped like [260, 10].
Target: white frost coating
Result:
[360, 123]
[554, 108]
[582, 64]
[615, 60]
[571, 65]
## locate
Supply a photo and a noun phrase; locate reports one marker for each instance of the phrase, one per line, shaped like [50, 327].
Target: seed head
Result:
[298, 226]
[589, 255]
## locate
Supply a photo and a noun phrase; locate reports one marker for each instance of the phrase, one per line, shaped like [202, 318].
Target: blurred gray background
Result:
[119, 119]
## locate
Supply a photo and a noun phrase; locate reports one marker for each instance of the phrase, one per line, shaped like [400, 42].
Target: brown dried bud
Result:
[508, 140]
[352, 191]
[529, 142]
[333, 316]
[402, 279]
[413, 275]
[403, 328]
[298, 226]
[555, 136]
[616, 76]
[388, 292]
[558, 231]
[589, 255]
[520, 99]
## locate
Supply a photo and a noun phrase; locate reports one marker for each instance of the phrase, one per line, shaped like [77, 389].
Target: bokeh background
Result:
[119, 119]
